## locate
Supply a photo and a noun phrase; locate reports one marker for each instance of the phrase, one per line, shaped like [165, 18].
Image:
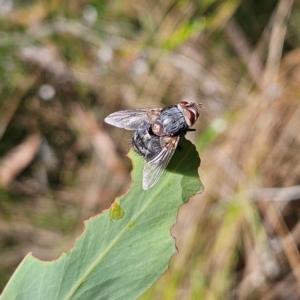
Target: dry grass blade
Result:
[274, 217]
[19, 158]
[242, 47]
[46, 58]
[276, 42]
[101, 141]
[275, 194]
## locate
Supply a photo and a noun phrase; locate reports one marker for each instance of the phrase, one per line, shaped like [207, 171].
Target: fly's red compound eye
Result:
[190, 115]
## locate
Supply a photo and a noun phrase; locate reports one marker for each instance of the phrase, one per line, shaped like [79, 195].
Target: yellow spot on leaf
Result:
[116, 212]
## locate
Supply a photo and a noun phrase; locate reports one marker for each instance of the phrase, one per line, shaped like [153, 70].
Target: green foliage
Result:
[184, 33]
[123, 250]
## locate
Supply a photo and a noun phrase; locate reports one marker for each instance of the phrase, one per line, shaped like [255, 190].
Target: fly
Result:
[156, 133]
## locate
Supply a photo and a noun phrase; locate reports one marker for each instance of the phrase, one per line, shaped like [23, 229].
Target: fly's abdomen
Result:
[145, 142]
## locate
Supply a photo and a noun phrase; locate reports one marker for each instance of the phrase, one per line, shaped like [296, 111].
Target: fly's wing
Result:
[131, 119]
[154, 168]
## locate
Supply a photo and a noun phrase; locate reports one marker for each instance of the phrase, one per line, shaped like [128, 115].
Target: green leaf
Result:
[123, 250]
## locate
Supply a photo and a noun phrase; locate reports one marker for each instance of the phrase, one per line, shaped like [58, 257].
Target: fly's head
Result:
[190, 111]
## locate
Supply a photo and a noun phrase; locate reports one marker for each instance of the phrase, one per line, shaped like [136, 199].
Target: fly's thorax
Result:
[190, 111]
[170, 122]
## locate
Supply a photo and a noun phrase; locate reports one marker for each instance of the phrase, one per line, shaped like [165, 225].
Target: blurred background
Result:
[65, 65]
